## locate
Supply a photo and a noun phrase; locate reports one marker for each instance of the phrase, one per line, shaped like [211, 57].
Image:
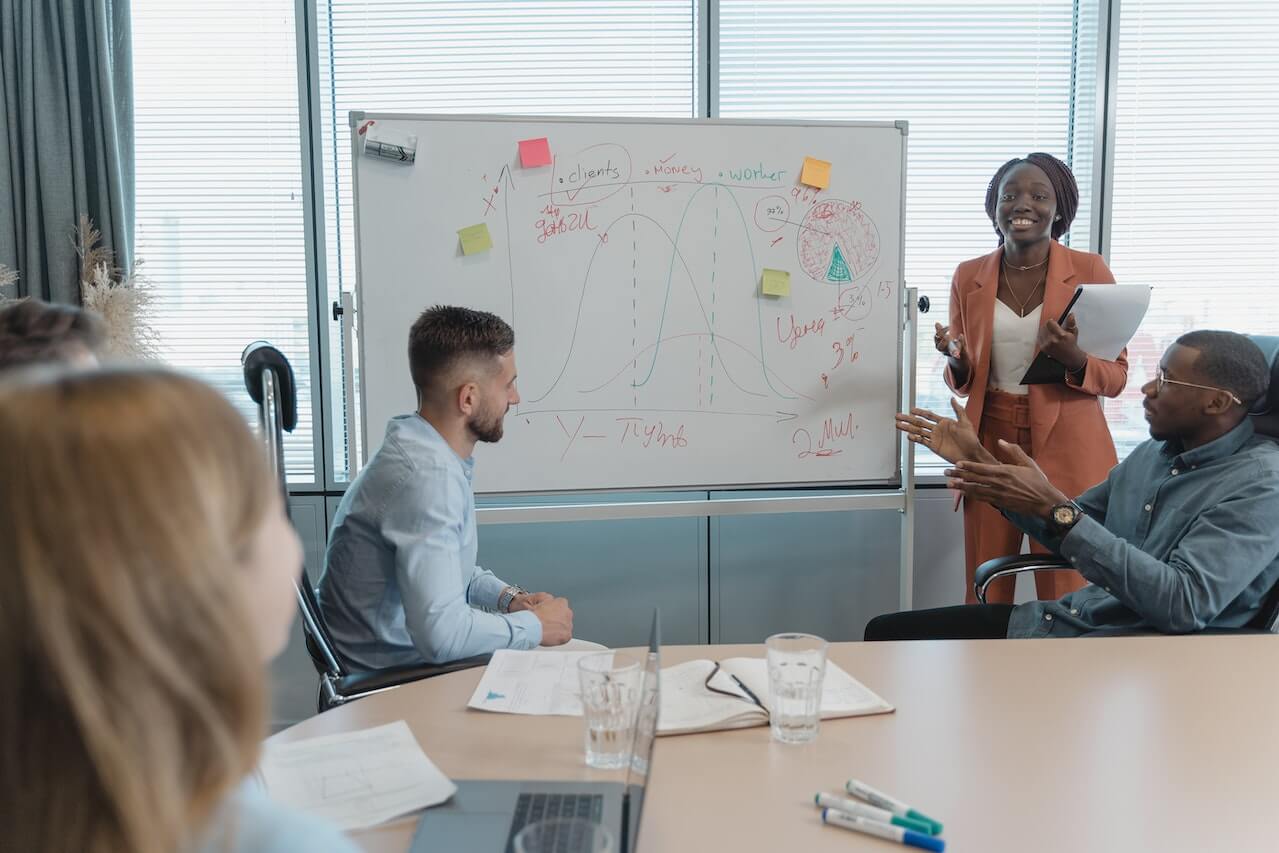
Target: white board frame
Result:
[898, 493]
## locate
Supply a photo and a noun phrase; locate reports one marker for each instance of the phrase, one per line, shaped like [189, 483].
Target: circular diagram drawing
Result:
[838, 242]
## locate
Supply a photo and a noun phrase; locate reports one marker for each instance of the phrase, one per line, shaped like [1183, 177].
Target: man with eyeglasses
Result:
[1182, 535]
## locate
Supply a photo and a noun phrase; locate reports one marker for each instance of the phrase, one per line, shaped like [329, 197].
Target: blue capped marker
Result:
[882, 830]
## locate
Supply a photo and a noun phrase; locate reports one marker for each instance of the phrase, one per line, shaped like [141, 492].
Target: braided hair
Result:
[1063, 184]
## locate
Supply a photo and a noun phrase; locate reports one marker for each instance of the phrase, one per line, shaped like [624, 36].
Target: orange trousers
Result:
[987, 534]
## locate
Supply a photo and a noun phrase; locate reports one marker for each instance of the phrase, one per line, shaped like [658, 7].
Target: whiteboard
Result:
[631, 270]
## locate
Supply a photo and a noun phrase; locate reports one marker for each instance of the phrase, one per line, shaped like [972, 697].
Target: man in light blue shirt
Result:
[1183, 534]
[400, 584]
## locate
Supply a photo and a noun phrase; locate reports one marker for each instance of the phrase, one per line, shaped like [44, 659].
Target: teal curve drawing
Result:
[838, 269]
[670, 274]
[675, 253]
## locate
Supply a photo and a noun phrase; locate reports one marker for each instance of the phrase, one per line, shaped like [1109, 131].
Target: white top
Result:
[1012, 348]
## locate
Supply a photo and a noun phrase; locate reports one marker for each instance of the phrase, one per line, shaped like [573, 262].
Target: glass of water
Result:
[564, 835]
[796, 669]
[610, 683]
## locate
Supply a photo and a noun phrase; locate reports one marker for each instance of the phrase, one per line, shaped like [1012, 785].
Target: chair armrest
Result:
[1000, 567]
[358, 683]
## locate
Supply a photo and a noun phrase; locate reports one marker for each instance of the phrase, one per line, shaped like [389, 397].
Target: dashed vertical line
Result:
[714, 263]
[634, 302]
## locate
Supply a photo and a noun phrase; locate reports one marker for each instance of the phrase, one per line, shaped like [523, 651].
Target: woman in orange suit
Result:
[1003, 312]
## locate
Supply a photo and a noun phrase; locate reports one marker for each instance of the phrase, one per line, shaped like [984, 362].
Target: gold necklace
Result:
[1021, 303]
[1004, 260]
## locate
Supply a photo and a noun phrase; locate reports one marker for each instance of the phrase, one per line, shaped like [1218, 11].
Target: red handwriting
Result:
[844, 348]
[805, 194]
[666, 167]
[554, 222]
[791, 338]
[648, 434]
[833, 430]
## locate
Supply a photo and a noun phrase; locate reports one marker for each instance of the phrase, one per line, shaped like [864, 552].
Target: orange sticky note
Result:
[535, 152]
[775, 283]
[816, 173]
[475, 239]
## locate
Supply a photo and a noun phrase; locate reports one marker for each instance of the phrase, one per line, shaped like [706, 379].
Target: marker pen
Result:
[853, 807]
[882, 830]
[897, 807]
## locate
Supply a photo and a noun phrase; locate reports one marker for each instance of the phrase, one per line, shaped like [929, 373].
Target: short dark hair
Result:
[1230, 360]
[1063, 184]
[445, 334]
[34, 332]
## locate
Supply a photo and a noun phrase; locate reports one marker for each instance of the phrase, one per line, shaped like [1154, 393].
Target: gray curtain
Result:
[66, 138]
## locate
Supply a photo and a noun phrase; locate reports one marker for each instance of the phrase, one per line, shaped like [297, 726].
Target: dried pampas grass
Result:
[123, 301]
[8, 278]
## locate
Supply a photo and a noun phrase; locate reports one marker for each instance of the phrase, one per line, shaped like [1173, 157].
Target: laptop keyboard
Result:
[535, 807]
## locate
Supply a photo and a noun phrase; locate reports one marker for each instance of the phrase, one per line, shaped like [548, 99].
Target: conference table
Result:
[1125, 744]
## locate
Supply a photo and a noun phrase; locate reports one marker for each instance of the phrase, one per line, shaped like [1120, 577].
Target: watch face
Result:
[1064, 514]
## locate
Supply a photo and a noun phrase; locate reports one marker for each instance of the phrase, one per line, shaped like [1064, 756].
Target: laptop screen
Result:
[644, 738]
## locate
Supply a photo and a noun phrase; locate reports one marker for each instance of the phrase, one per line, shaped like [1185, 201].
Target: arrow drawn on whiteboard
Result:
[786, 416]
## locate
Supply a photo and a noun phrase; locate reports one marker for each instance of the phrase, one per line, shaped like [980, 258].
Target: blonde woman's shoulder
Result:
[249, 822]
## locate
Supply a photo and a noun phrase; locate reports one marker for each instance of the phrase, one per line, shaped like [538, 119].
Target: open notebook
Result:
[688, 706]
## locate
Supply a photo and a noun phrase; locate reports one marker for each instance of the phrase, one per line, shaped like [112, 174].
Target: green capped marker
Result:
[856, 809]
[897, 807]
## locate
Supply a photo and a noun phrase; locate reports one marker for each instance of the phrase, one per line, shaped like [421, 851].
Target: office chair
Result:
[268, 376]
[1265, 418]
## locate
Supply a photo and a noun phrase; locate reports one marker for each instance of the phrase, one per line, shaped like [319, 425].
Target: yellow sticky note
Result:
[776, 283]
[816, 173]
[475, 239]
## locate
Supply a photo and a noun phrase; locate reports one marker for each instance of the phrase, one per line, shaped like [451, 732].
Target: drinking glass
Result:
[610, 683]
[559, 834]
[796, 669]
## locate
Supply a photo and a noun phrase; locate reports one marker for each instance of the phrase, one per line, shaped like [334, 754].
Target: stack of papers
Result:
[355, 779]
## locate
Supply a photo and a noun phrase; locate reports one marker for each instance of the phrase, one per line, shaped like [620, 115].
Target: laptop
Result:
[484, 816]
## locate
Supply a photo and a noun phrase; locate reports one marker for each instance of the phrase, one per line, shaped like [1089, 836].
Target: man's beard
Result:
[487, 429]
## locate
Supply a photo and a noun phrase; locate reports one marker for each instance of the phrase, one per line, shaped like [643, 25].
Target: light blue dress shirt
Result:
[248, 822]
[400, 584]
[1174, 541]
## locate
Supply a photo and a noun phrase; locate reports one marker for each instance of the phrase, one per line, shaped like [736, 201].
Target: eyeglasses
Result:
[1161, 379]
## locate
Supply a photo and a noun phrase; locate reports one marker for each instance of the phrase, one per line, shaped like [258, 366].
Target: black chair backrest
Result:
[1266, 410]
[259, 356]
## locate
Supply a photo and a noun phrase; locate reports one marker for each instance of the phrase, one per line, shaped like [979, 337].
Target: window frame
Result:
[325, 362]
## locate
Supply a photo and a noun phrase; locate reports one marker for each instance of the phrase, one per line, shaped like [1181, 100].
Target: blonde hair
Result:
[134, 697]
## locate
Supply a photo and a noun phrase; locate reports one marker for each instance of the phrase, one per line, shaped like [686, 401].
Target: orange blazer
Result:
[1068, 434]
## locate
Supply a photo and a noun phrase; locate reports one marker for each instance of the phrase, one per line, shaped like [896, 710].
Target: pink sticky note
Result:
[535, 152]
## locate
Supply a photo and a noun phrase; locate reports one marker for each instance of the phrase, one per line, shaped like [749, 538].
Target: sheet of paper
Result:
[535, 152]
[816, 173]
[475, 239]
[1108, 315]
[776, 283]
[530, 682]
[355, 779]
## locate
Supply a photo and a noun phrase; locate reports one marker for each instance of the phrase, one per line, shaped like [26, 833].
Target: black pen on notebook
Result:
[747, 690]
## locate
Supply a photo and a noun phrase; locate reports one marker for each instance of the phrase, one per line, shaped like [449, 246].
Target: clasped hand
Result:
[1061, 343]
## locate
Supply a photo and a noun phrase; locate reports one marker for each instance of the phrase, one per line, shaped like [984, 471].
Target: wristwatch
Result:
[1066, 516]
[507, 597]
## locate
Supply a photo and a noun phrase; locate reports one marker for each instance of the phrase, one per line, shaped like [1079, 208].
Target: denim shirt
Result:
[400, 583]
[1174, 541]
